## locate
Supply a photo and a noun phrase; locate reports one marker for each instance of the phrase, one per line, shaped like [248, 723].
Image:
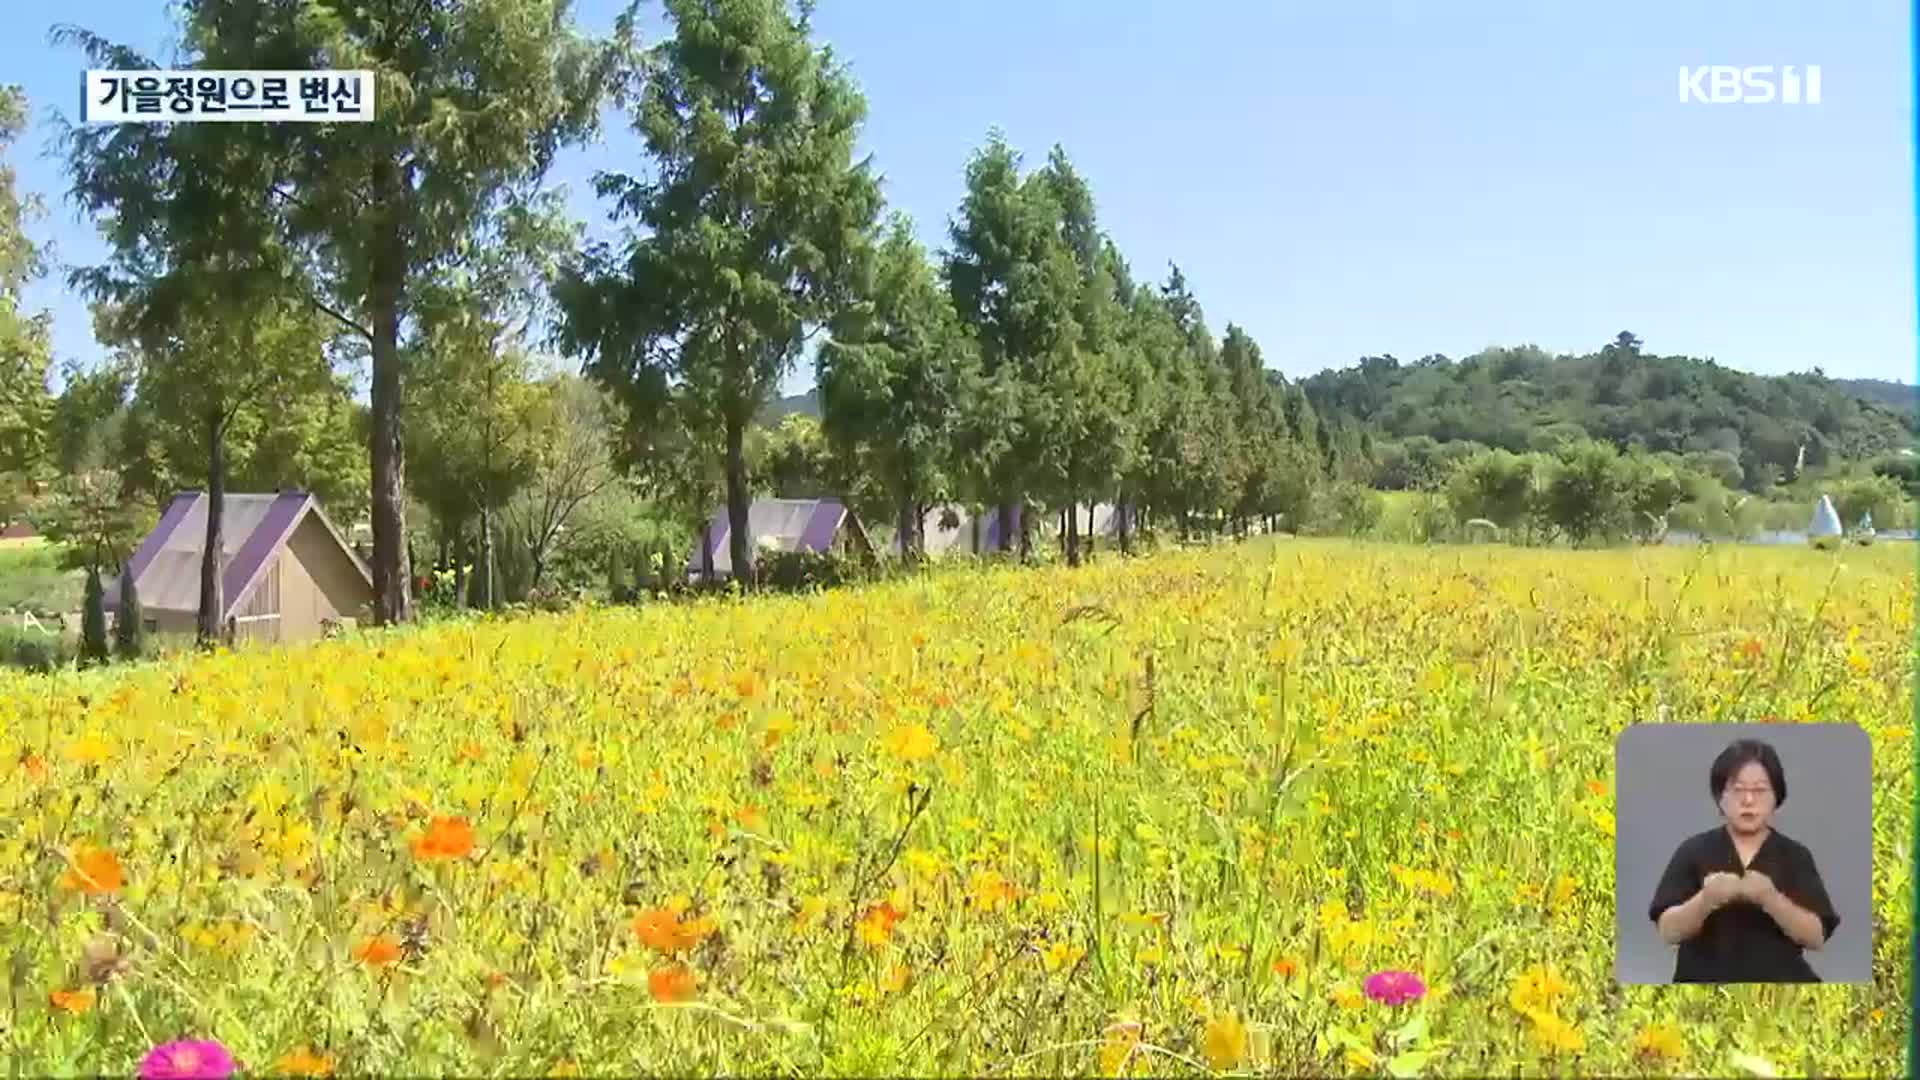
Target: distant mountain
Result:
[807, 404]
[1900, 397]
[1525, 398]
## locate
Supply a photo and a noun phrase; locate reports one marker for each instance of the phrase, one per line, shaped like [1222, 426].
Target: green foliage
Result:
[89, 416]
[1346, 509]
[1013, 276]
[474, 99]
[25, 340]
[794, 461]
[1901, 469]
[89, 519]
[611, 542]
[574, 463]
[129, 622]
[752, 219]
[892, 380]
[1880, 496]
[1651, 489]
[1586, 494]
[795, 571]
[93, 622]
[35, 651]
[36, 578]
[1525, 399]
[1493, 485]
[474, 438]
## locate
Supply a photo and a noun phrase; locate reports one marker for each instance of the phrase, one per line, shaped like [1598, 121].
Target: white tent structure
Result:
[1825, 526]
[1101, 520]
[955, 530]
[817, 525]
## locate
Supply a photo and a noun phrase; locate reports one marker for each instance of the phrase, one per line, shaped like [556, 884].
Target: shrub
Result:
[93, 622]
[1588, 493]
[1493, 485]
[793, 571]
[1346, 509]
[35, 651]
[129, 626]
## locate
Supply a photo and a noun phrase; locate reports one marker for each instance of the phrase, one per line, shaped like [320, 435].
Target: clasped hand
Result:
[1724, 888]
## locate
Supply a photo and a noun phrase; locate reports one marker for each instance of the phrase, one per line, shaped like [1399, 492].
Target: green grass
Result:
[31, 578]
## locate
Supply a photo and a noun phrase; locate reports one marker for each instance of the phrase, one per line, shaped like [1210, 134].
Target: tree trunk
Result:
[212, 600]
[1006, 526]
[739, 502]
[910, 540]
[973, 525]
[1026, 532]
[1073, 531]
[487, 578]
[1121, 525]
[460, 567]
[392, 570]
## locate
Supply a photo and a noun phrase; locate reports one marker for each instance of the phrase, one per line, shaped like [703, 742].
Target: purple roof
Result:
[818, 535]
[177, 512]
[794, 524]
[266, 539]
[990, 537]
[167, 564]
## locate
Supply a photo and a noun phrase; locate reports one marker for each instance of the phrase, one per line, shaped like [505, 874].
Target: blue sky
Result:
[1367, 176]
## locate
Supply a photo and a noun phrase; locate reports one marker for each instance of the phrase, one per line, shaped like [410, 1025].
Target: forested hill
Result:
[1902, 397]
[1524, 398]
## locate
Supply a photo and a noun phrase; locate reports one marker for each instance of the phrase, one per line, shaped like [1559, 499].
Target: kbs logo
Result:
[1722, 85]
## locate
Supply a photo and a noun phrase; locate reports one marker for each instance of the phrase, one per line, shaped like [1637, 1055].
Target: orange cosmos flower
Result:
[304, 1062]
[876, 926]
[663, 930]
[670, 984]
[445, 838]
[72, 1002]
[96, 872]
[378, 951]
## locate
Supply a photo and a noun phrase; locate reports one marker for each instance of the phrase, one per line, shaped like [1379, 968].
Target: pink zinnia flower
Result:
[1394, 987]
[187, 1059]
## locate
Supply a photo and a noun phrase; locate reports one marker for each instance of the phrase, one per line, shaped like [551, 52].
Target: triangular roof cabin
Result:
[286, 572]
[817, 525]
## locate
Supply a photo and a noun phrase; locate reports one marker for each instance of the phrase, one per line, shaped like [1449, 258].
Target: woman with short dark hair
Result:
[1743, 901]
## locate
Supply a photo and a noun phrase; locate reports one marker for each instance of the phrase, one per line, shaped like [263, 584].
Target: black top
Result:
[1741, 942]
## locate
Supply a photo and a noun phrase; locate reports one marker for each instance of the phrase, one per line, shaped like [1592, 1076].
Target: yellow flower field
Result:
[1159, 816]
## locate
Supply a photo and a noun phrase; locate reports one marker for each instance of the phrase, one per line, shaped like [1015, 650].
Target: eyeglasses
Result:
[1756, 792]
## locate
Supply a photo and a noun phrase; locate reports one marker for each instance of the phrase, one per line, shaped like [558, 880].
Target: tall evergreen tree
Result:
[93, 622]
[892, 377]
[753, 217]
[129, 623]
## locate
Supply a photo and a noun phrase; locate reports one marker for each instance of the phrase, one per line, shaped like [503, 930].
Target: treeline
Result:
[1754, 431]
[252, 266]
[1586, 491]
[253, 269]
